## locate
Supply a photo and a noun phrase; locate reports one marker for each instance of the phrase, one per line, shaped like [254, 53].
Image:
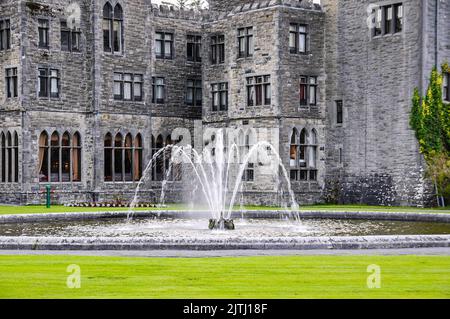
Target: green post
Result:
[48, 187]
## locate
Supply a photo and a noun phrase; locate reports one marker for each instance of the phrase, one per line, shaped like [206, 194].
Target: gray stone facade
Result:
[372, 157]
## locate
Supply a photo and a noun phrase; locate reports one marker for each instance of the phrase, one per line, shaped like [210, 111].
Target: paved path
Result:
[237, 253]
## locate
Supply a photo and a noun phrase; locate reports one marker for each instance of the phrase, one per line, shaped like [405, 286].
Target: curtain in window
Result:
[76, 158]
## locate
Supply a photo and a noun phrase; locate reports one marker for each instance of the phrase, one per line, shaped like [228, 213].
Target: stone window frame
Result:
[164, 90]
[194, 42]
[245, 49]
[11, 80]
[305, 87]
[45, 32]
[297, 33]
[339, 107]
[219, 90]
[446, 87]
[133, 81]
[217, 44]
[48, 148]
[196, 89]
[252, 84]
[382, 25]
[303, 154]
[163, 41]
[130, 148]
[9, 153]
[111, 18]
[49, 83]
[5, 34]
[72, 33]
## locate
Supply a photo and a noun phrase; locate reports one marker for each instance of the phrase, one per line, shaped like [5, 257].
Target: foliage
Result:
[430, 118]
[439, 171]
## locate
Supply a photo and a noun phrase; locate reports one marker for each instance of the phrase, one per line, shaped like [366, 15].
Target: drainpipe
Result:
[436, 19]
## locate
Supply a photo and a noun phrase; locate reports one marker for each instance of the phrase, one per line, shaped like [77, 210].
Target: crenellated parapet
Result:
[173, 12]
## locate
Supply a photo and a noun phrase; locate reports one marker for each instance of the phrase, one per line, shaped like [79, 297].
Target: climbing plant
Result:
[430, 119]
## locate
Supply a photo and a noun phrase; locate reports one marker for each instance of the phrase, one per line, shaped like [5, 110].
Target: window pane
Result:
[65, 40]
[302, 43]
[117, 36]
[168, 49]
[127, 91]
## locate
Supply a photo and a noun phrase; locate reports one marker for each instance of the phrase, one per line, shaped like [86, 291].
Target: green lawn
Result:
[248, 277]
[62, 209]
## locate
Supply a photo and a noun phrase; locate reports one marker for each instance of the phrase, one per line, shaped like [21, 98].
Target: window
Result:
[158, 90]
[245, 41]
[11, 82]
[388, 19]
[162, 160]
[112, 28]
[398, 21]
[9, 157]
[122, 158]
[194, 92]
[245, 143]
[5, 35]
[339, 112]
[43, 27]
[446, 88]
[60, 157]
[259, 90]
[48, 84]
[218, 49]
[219, 96]
[70, 38]
[298, 37]
[303, 155]
[308, 91]
[128, 86]
[164, 45]
[194, 48]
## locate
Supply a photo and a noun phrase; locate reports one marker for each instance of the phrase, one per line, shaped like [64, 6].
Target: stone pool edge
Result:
[361, 215]
[299, 243]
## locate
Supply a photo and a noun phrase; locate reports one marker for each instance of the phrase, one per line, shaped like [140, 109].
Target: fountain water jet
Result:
[213, 169]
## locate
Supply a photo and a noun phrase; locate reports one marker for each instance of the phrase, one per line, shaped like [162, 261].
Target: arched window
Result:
[112, 28]
[122, 158]
[118, 158]
[162, 161]
[16, 157]
[137, 160]
[303, 155]
[43, 157]
[76, 157]
[158, 167]
[9, 157]
[245, 143]
[59, 157]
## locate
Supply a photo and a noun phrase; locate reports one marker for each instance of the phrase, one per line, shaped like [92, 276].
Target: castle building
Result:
[91, 89]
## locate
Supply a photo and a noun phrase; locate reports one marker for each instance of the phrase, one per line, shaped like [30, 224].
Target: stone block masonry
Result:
[372, 157]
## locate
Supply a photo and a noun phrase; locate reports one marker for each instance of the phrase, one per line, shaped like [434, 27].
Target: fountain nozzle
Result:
[221, 224]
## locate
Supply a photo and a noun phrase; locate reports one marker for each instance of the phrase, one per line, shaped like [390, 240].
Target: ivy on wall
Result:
[430, 119]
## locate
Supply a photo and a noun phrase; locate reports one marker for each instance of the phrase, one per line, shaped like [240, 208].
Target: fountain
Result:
[218, 170]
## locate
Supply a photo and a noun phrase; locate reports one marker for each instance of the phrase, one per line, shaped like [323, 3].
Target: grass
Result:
[247, 277]
[4, 210]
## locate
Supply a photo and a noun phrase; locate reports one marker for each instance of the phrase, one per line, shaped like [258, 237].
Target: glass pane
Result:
[302, 43]
[127, 91]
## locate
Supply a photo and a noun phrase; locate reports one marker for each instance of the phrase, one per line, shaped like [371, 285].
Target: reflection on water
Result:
[257, 229]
